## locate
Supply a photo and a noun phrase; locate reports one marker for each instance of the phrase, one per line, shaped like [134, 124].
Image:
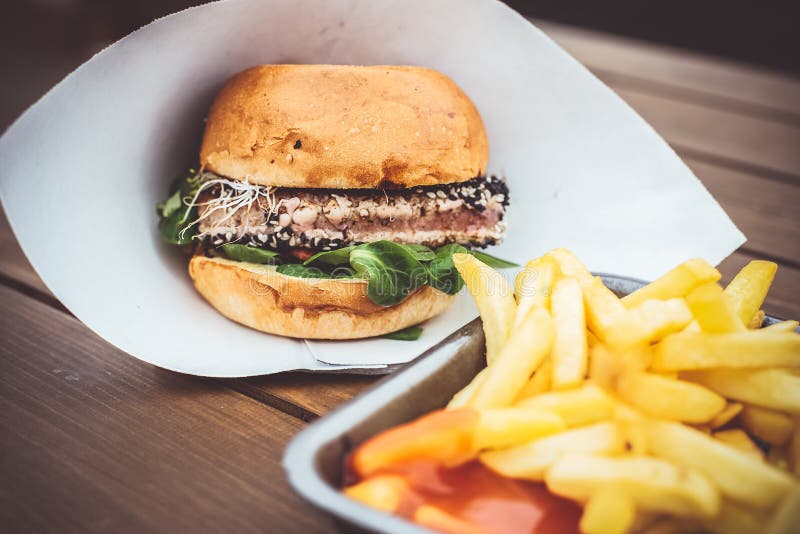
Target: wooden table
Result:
[93, 439]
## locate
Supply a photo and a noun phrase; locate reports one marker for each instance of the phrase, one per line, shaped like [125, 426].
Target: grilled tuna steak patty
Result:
[469, 213]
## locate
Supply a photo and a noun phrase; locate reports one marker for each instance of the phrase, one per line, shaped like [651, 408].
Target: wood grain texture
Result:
[13, 263]
[93, 440]
[765, 210]
[305, 395]
[686, 74]
[752, 142]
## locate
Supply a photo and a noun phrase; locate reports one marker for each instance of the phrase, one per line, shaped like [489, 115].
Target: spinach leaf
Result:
[340, 256]
[421, 252]
[493, 261]
[298, 270]
[249, 254]
[442, 273]
[391, 270]
[412, 333]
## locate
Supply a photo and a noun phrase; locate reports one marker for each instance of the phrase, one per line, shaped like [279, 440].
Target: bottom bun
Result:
[312, 308]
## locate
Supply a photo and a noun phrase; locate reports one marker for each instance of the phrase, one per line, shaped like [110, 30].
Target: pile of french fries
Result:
[667, 409]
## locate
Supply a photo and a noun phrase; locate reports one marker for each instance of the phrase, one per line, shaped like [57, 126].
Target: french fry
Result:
[749, 288]
[657, 318]
[608, 511]
[383, 492]
[569, 264]
[794, 452]
[783, 326]
[570, 350]
[733, 518]
[713, 311]
[522, 354]
[756, 320]
[498, 429]
[540, 382]
[444, 435]
[462, 398]
[533, 286]
[581, 406]
[606, 366]
[738, 475]
[676, 283]
[779, 457]
[769, 426]
[749, 349]
[652, 483]
[778, 389]
[606, 317]
[666, 398]
[787, 516]
[531, 460]
[494, 298]
[731, 410]
[738, 438]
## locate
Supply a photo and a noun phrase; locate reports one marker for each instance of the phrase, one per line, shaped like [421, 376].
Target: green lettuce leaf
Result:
[442, 273]
[412, 333]
[391, 270]
[492, 261]
[250, 254]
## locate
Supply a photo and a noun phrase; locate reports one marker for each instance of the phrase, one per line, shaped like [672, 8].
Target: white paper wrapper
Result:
[84, 167]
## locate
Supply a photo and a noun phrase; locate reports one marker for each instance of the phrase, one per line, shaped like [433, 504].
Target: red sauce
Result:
[484, 500]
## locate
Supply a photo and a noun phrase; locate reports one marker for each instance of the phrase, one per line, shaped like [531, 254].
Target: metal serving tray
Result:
[314, 460]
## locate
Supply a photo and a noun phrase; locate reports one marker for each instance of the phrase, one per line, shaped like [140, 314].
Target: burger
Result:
[330, 199]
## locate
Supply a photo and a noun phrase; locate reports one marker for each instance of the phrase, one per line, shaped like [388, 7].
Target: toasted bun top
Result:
[341, 126]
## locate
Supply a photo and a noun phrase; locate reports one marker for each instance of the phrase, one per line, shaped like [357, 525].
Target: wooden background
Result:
[94, 440]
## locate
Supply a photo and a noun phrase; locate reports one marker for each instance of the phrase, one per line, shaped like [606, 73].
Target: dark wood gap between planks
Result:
[246, 387]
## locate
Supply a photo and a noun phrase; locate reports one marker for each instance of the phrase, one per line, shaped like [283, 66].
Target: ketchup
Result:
[479, 500]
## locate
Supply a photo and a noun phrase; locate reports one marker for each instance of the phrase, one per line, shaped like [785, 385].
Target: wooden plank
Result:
[765, 210]
[13, 263]
[305, 395]
[93, 440]
[749, 141]
[716, 80]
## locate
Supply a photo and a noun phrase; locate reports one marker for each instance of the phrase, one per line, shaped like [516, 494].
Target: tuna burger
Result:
[329, 200]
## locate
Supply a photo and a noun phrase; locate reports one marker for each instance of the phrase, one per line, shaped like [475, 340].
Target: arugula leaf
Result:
[298, 270]
[175, 213]
[250, 254]
[421, 252]
[493, 261]
[391, 270]
[412, 333]
[340, 256]
[171, 205]
[442, 273]
[171, 227]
